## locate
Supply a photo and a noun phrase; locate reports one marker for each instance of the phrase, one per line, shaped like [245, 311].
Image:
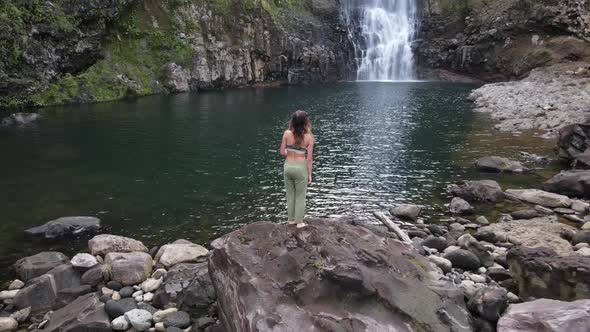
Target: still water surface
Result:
[196, 166]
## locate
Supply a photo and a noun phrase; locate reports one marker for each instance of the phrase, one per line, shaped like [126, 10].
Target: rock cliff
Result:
[499, 40]
[68, 51]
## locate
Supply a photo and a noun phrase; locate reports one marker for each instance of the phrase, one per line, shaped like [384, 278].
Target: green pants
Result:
[296, 184]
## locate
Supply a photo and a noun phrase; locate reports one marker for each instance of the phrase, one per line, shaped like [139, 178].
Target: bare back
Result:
[289, 140]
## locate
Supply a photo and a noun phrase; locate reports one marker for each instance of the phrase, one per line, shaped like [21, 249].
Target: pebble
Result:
[8, 324]
[114, 309]
[161, 314]
[482, 270]
[137, 293]
[513, 298]
[586, 226]
[477, 278]
[83, 260]
[482, 220]
[180, 319]
[126, 291]
[581, 245]
[450, 248]
[114, 285]
[43, 324]
[140, 319]
[107, 291]
[444, 264]
[116, 296]
[120, 324]
[160, 327]
[151, 285]
[148, 297]
[16, 284]
[8, 294]
[138, 298]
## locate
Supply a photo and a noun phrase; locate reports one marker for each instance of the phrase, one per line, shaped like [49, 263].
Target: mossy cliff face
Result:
[73, 51]
[505, 39]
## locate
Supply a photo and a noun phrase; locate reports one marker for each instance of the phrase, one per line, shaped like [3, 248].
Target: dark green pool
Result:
[196, 166]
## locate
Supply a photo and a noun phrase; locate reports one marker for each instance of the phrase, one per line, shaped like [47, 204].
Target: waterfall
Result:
[382, 32]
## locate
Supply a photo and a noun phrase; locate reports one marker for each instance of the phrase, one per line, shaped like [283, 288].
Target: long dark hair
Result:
[299, 125]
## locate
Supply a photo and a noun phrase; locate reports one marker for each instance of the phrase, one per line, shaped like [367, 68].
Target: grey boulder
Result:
[105, 243]
[478, 191]
[86, 313]
[129, 268]
[540, 197]
[499, 164]
[175, 253]
[489, 303]
[328, 275]
[547, 316]
[36, 265]
[463, 259]
[65, 226]
[406, 211]
[460, 206]
[574, 183]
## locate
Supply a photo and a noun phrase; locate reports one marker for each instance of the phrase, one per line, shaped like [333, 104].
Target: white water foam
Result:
[387, 28]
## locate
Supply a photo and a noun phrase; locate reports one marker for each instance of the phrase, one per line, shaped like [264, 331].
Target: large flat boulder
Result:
[172, 254]
[33, 266]
[86, 313]
[66, 226]
[540, 197]
[189, 286]
[547, 316]
[105, 243]
[478, 191]
[536, 232]
[129, 268]
[570, 183]
[328, 275]
[541, 273]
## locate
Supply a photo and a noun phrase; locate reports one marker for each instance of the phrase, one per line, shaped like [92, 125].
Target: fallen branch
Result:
[392, 227]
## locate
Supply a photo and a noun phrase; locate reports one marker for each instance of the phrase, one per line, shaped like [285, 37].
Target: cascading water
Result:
[385, 30]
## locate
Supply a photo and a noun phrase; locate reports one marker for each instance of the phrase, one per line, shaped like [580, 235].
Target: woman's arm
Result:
[309, 160]
[283, 148]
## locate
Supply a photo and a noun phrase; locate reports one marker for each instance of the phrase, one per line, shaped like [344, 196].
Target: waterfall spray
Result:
[383, 46]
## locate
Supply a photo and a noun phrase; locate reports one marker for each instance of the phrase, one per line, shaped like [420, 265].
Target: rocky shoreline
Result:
[468, 274]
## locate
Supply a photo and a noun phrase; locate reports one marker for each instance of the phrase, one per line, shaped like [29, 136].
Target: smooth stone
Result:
[438, 243]
[94, 276]
[147, 307]
[83, 260]
[127, 291]
[581, 245]
[460, 206]
[22, 315]
[148, 297]
[525, 214]
[138, 298]
[120, 324]
[580, 206]
[16, 284]
[406, 211]
[540, 197]
[106, 243]
[161, 314]
[513, 298]
[8, 294]
[114, 285]
[444, 264]
[127, 304]
[8, 324]
[489, 303]
[582, 252]
[129, 268]
[499, 164]
[140, 319]
[151, 285]
[457, 227]
[478, 191]
[180, 319]
[463, 259]
[107, 291]
[564, 211]
[160, 327]
[137, 293]
[586, 226]
[477, 278]
[482, 220]
[114, 309]
[116, 296]
[172, 254]
[65, 226]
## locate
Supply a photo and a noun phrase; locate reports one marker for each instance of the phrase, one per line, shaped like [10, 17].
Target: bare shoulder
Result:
[287, 133]
[309, 139]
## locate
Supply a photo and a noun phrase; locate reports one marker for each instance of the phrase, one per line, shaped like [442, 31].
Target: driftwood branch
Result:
[392, 227]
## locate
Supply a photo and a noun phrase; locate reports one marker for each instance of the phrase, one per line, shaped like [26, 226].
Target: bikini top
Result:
[296, 149]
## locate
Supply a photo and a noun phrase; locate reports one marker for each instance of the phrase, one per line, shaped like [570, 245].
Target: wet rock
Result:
[66, 226]
[499, 164]
[406, 211]
[106, 243]
[36, 265]
[478, 191]
[552, 315]
[525, 214]
[141, 320]
[540, 197]
[129, 268]
[541, 273]
[438, 243]
[86, 313]
[460, 206]
[188, 285]
[83, 261]
[536, 232]
[489, 303]
[172, 254]
[178, 319]
[581, 237]
[8, 324]
[463, 259]
[284, 258]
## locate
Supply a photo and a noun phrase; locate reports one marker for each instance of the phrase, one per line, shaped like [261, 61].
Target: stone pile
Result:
[117, 286]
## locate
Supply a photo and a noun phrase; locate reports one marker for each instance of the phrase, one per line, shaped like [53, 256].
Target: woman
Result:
[297, 147]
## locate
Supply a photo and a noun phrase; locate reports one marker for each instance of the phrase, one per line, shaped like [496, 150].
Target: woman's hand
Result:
[309, 179]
